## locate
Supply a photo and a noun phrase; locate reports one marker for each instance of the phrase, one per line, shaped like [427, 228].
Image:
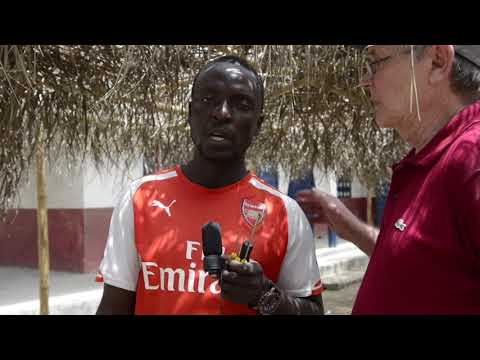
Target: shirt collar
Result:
[444, 138]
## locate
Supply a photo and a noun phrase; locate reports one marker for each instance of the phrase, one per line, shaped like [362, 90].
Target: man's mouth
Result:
[219, 136]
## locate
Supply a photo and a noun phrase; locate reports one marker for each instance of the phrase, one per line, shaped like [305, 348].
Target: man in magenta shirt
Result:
[426, 257]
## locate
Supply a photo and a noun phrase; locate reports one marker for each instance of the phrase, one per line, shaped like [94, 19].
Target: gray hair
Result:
[464, 78]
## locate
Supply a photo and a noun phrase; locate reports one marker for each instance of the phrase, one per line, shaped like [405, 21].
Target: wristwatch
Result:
[269, 301]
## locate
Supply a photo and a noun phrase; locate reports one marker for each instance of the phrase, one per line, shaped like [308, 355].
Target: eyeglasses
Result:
[371, 67]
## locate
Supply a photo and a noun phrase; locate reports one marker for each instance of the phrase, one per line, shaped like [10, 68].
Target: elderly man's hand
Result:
[243, 283]
[319, 206]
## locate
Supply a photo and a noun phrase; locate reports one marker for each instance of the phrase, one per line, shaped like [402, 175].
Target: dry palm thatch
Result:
[107, 101]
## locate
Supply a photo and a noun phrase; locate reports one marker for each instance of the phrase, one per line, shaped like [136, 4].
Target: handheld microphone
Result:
[213, 263]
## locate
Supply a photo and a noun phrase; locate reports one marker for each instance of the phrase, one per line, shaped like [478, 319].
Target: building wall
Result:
[357, 204]
[325, 182]
[283, 179]
[64, 189]
[358, 190]
[102, 191]
[80, 204]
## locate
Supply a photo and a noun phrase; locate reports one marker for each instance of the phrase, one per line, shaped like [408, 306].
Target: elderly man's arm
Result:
[317, 204]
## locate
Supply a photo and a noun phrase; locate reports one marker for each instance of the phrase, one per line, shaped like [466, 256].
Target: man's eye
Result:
[245, 106]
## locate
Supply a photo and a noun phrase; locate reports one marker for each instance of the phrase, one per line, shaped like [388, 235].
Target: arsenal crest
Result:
[253, 212]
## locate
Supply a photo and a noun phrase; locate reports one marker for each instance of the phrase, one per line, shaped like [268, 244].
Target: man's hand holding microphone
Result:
[242, 280]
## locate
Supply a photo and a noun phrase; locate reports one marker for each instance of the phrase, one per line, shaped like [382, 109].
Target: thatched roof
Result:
[107, 101]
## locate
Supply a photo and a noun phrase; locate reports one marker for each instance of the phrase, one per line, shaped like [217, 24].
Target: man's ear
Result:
[442, 57]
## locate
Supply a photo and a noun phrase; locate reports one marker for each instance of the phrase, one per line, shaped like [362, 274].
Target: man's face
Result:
[224, 112]
[390, 85]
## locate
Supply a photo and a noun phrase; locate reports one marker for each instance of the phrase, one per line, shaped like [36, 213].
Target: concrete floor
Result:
[340, 302]
[22, 284]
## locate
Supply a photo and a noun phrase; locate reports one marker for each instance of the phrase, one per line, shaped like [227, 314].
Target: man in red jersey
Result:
[426, 257]
[153, 257]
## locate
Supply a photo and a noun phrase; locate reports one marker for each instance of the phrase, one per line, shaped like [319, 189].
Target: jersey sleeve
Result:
[120, 266]
[299, 274]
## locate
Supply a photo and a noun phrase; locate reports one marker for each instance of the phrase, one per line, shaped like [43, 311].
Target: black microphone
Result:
[213, 263]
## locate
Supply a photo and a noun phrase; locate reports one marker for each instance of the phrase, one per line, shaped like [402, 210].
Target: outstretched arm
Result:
[317, 204]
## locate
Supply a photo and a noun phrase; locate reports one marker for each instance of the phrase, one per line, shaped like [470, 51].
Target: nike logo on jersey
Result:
[158, 204]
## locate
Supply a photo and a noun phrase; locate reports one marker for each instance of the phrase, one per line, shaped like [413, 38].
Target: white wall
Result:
[103, 189]
[325, 182]
[358, 190]
[80, 187]
[283, 179]
[64, 188]
[26, 194]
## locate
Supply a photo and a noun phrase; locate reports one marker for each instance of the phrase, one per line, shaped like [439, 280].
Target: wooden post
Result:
[42, 226]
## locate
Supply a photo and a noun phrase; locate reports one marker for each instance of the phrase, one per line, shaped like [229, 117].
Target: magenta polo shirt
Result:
[427, 256]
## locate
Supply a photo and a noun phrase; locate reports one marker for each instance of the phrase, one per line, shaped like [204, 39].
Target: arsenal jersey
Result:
[154, 246]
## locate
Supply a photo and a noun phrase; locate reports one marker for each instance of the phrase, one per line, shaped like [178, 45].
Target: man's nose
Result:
[365, 81]
[223, 110]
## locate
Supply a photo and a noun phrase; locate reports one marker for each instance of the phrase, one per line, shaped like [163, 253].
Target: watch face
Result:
[270, 302]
